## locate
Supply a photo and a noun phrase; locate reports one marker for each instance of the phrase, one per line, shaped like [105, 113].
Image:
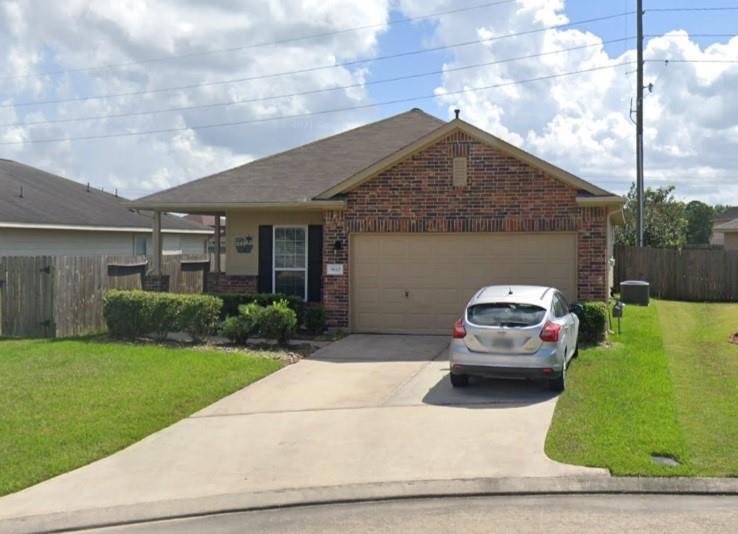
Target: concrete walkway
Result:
[365, 409]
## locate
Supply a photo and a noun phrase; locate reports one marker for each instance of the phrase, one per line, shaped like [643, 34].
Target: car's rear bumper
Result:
[489, 371]
[545, 363]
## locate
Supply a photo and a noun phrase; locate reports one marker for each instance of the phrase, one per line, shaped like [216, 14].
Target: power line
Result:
[264, 43]
[690, 35]
[317, 68]
[669, 60]
[314, 91]
[321, 112]
[688, 9]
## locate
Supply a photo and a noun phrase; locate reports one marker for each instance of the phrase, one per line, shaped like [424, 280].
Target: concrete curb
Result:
[241, 502]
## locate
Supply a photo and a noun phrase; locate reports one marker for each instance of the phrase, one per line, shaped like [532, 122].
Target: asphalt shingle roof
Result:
[730, 225]
[304, 172]
[51, 199]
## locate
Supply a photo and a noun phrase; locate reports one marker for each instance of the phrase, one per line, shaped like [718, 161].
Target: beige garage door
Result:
[419, 283]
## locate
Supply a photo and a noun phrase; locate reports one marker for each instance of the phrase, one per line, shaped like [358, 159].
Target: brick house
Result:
[394, 225]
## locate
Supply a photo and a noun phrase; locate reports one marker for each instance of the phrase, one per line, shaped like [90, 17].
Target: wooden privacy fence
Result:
[59, 296]
[681, 274]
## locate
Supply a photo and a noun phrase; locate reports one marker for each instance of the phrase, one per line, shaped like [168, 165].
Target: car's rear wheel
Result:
[459, 381]
[559, 383]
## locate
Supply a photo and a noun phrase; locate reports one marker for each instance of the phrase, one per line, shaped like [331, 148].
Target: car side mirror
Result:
[576, 309]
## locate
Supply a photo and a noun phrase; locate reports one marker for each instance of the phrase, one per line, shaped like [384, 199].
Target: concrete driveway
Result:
[368, 408]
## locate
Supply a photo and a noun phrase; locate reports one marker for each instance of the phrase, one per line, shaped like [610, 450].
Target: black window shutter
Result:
[315, 262]
[265, 259]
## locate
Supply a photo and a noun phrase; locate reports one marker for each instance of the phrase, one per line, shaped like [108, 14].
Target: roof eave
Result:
[222, 207]
[98, 228]
[604, 200]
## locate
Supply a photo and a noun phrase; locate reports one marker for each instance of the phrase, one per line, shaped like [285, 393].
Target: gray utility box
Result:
[635, 292]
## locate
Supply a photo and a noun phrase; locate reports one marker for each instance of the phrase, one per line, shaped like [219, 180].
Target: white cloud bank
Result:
[580, 122]
[40, 36]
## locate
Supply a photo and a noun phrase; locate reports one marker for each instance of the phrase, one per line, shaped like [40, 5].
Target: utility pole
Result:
[639, 129]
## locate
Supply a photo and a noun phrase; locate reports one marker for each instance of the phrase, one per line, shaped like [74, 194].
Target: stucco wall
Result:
[730, 241]
[246, 223]
[34, 242]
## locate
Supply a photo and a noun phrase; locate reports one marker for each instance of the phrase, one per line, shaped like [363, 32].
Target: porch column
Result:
[156, 244]
[217, 243]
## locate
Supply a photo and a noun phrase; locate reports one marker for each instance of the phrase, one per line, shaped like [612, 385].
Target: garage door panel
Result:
[441, 272]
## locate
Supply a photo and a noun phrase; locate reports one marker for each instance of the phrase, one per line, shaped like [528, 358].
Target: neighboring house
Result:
[212, 222]
[394, 225]
[726, 216]
[45, 214]
[728, 232]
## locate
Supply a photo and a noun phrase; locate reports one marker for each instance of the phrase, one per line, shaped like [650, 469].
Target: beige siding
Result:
[730, 240]
[34, 242]
[180, 244]
[419, 283]
[246, 223]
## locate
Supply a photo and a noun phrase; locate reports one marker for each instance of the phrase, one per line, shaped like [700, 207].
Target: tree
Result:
[699, 222]
[665, 221]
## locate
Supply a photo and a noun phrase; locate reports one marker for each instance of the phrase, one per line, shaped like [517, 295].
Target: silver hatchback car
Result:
[515, 332]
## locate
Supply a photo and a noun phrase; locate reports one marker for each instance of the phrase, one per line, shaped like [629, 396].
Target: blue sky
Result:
[580, 123]
[411, 36]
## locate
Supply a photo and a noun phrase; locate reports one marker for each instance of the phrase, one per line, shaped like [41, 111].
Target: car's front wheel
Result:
[459, 381]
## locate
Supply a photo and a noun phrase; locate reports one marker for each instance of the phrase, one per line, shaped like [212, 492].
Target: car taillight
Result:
[550, 332]
[459, 330]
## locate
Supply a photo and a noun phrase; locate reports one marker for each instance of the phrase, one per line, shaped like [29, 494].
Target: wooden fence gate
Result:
[60, 296]
[27, 296]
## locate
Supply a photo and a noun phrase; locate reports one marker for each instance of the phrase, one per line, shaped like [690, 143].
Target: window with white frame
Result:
[139, 245]
[290, 260]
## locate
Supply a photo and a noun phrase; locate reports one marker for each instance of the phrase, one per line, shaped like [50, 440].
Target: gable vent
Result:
[459, 171]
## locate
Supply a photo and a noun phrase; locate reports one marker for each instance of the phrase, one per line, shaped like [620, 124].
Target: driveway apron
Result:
[368, 408]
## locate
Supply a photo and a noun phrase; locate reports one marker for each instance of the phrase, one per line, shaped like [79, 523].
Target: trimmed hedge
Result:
[132, 314]
[593, 322]
[232, 302]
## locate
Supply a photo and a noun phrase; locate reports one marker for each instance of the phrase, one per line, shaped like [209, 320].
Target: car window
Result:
[559, 310]
[505, 314]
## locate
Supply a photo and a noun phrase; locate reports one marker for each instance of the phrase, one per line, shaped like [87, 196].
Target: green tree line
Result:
[668, 222]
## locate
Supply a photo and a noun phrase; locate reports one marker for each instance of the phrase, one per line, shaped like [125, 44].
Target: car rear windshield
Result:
[505, 314]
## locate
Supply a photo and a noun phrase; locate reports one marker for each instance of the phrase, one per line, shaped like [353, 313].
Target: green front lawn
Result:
[667, 385]
[65, 403]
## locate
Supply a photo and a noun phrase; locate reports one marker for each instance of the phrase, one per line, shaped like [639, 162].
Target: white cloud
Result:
[581, 122]
[79, 33]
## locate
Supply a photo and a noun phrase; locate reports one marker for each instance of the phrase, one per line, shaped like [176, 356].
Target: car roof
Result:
[538, 295]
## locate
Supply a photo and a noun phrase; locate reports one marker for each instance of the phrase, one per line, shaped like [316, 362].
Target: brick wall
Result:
[231, 283]
[502, 194]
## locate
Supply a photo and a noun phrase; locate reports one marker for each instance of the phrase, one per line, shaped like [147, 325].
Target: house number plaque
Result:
[334, 269]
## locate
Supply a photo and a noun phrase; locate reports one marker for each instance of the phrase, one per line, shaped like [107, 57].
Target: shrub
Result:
[232, 301]
[197, 314]
[239, 328]
[131, 314]
[593, 322]
[278, 321]
[126, 313]
[315, 319]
